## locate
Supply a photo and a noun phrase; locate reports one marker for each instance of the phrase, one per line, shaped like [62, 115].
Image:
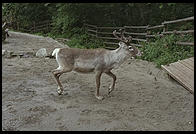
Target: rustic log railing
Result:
[179, 20]
[164, 27]
[36, 27]
[105, 33]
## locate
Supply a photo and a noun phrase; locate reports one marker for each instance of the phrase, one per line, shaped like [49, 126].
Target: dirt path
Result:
[139, 102]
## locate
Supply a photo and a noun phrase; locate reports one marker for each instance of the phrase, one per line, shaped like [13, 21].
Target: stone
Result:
[7, 54]
[41, 53]
[4, 52]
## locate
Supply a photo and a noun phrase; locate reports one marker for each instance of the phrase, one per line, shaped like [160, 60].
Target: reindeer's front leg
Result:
[111, 88]
[98, 76]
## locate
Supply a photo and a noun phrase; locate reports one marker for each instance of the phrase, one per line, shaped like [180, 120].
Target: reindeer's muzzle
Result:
[139, 53]
[135, 51]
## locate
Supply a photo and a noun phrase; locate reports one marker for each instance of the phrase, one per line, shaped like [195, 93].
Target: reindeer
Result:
[94, 60]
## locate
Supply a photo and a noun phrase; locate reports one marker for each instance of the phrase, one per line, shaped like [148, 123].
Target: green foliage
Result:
[84, 41]
[25, 15]
[40, 34]
[50, 35]
[68, 18]
[165, 50]
[78, 40]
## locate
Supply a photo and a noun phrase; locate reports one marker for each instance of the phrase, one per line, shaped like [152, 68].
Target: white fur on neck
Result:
[116, 57]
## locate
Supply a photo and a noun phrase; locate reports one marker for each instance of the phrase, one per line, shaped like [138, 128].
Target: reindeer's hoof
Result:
[60, 92]
[110, 90]
[99, 97]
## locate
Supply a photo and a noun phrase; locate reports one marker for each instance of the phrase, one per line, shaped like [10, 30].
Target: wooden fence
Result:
[139, 33]
[105, 33]
[34, 28]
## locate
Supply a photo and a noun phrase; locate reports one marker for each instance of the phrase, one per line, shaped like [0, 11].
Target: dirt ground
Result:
[144, 99]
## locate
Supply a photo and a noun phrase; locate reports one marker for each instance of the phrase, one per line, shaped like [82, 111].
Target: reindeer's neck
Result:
[118, 56]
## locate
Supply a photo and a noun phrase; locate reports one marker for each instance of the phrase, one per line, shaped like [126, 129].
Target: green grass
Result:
[84, 41]
[78, 40]
[164, 50]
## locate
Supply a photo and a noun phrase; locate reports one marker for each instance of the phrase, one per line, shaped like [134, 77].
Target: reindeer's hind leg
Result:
[57, 73]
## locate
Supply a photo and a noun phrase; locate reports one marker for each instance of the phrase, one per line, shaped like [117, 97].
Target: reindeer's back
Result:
[82, 53]
[83, 60]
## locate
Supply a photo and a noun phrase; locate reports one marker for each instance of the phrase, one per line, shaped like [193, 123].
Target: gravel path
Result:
[144, 97]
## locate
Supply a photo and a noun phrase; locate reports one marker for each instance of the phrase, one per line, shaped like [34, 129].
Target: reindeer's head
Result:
[125, 43]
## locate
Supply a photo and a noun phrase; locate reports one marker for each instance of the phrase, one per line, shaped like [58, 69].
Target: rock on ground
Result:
[41, 53]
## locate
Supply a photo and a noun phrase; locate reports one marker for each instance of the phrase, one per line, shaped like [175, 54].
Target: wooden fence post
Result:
[34, 26]
[96, 31]
[18, 26]
[164, 26]
[48, 26]
[147, 32]
[85, 29]
[124, 28]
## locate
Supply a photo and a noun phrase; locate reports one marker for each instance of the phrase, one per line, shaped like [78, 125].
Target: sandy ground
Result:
[144, 97]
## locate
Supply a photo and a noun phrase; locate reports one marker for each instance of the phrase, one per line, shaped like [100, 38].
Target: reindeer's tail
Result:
[56, 50]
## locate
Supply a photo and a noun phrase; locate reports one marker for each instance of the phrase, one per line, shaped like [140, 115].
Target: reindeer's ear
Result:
[122, 44]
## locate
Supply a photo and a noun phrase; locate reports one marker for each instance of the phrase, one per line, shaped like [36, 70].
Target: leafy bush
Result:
[164, 50]
[84, 41]
[39, 34]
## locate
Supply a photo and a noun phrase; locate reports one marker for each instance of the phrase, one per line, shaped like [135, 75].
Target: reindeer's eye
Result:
[130, 48]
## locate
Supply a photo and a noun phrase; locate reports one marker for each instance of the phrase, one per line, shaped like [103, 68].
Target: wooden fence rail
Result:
[106, 34]
[178, 32]
[179, 20]
[136, 27]
[36, 27]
